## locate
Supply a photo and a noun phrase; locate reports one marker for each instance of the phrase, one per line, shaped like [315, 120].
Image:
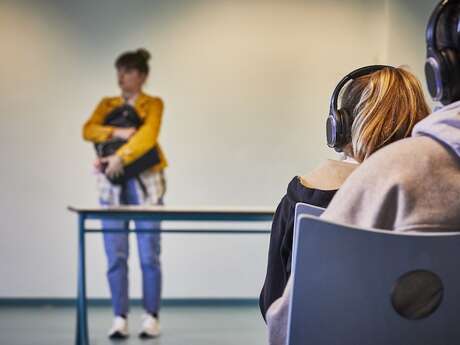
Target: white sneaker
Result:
[119, 328]
[150, 327]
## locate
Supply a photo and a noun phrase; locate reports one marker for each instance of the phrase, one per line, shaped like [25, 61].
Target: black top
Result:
[280, 250]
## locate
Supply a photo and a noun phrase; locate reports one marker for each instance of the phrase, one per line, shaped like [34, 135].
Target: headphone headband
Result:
[350, 76]
[431, 42]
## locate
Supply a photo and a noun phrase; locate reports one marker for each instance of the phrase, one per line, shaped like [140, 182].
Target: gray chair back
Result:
[356, 286]
[302, 208]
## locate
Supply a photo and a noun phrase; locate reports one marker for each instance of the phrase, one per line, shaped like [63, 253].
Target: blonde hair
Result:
[385, 106]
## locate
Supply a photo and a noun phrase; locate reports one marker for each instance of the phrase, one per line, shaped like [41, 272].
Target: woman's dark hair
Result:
[137, 60]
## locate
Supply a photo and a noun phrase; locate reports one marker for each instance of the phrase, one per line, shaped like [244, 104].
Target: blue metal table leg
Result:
[82, 323]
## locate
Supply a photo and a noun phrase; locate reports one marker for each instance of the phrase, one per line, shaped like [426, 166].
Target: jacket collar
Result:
[140, 100]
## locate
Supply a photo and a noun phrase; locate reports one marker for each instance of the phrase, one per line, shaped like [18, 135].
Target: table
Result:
[154, 213]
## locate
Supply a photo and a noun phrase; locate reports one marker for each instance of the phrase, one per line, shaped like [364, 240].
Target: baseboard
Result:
[101, 302]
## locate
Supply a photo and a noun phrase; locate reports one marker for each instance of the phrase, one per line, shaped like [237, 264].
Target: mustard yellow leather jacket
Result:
[149, 108]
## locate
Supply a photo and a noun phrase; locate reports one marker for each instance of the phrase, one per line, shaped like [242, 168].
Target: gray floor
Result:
[180, 325]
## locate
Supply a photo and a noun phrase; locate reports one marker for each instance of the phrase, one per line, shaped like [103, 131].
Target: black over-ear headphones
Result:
[442, 67]
[339, 121]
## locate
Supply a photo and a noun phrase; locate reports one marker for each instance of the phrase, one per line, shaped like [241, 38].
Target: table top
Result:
[175, 209]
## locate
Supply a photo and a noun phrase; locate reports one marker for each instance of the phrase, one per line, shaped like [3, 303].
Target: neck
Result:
[348, 159]
[130, 95]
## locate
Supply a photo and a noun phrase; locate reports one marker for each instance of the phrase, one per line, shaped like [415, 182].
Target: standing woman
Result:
[124, 129]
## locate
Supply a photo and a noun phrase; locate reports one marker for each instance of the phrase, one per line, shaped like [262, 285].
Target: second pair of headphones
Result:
[339, 121]
[442, 67]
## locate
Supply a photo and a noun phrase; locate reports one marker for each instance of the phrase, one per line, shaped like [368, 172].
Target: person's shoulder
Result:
[329, 175]
[111, 101]
[287, 201]
[388, 184]
[399, 161]
[152, 100]
[405, 147]
[407, 152]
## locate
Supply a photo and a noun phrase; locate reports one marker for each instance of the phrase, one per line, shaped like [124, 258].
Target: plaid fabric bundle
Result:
[150, 189]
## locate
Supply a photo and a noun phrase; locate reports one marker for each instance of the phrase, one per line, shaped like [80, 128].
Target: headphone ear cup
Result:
[442, 71]
[331, 130]
[344, 121]
[451, 75]
[434, 75]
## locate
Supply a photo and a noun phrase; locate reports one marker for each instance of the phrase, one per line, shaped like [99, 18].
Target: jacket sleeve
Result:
[276, 276]
[146, 136]
[93, 129]
[277, 317]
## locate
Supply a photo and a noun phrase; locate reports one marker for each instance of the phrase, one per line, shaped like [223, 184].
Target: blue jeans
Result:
[117, 251]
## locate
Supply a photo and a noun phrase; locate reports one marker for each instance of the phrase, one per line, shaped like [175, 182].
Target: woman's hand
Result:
[97, 165]
[114, 167]
[124, 133]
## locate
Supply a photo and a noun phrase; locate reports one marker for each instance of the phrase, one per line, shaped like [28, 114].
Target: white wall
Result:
[406, 32]
[246, 86]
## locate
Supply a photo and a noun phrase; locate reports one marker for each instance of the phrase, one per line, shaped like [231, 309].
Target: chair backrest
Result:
[348, 284]
[302, 208]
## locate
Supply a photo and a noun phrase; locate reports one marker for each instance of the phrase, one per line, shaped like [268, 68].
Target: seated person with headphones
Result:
[380, 105]
[414, 184]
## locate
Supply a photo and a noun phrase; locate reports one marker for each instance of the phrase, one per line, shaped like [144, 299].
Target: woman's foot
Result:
[150, 327]
[119, 328]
